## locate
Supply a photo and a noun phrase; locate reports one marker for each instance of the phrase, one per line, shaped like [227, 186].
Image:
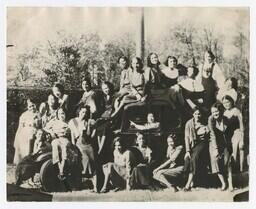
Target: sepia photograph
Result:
[127, 104]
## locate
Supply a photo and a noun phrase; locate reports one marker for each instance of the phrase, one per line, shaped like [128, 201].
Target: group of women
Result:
[204, 92]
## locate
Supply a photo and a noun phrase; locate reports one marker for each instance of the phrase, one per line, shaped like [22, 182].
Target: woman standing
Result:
[196, 143]
[81, 136]
[142, 174]
[29, 122]
[171, 170]
[220, 146]
[236, 129]
[118, 172]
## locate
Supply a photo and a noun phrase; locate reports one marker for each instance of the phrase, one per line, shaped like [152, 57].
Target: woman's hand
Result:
[187, 155]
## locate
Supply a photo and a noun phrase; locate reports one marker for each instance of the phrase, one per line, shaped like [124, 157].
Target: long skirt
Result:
[88, 159]
[23, 143]
[199, 158]
[141, 176]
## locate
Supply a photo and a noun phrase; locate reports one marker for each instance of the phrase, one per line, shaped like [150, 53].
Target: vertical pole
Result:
[140, 42]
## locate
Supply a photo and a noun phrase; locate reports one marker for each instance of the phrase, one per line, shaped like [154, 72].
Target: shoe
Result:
[186, 189]
[223, 188]
[104, 190]
[116, 189]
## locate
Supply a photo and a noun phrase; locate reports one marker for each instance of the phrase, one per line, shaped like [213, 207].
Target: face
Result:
[141, 140]
[105, 89]
[207, 57]
[56, 92]
[135, 64]
[82, 113]
[154, 59]
[170, 141]
[31, 106]
[118, 146]
[151, 118]
[215, 112]
[61, 115]
[86, 86]
[39, 134]
[227, 104]
[228, 84]
[51, 100]
[190, 72]
[172, 63]
[197, 115]
[123, 63]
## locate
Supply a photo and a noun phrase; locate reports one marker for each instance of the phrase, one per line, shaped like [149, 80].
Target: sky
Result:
[27, 26]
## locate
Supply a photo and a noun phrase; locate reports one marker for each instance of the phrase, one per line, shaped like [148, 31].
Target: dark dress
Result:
[142, 173]
[210, 93]
[197, 145]
[220, 146]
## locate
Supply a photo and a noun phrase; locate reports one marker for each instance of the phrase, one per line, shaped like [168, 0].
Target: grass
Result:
[166, 195]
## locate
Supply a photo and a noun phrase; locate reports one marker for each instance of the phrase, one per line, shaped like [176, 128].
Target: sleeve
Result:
[240, 118]
[122, 79]
[213, 144]
[176, 153]
[187, 136]
[128, 164]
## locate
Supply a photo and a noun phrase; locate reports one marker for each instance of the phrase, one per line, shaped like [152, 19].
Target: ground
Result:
[199, 194]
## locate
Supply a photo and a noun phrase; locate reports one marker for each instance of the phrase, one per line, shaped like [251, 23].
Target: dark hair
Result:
[196, 108]
[55, 100]
[88, 81]
[32, 100]
[110, 86]
[82, 106]
[123, 57]
[118, 139]
[230, 99]
[140, 63]
[219, 107]
[140, 133]
[57, 112]
[59, 86]
[234, 82]
[210, 53]
[170, 57]
[173, 136]
[44, 134]
[195, 69]
[149, 64]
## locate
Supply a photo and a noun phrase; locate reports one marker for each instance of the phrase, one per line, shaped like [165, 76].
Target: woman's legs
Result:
[107, 171]
[189, 181]
[223, 182]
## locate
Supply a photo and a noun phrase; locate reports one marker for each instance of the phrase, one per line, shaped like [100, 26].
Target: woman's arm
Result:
[172, 159]
[213, 142]
[240, 118]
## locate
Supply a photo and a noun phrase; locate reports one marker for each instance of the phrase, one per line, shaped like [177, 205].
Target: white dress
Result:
[29, 122]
